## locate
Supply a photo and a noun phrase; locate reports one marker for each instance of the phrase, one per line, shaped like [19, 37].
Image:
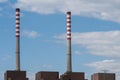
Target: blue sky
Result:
[95, 36]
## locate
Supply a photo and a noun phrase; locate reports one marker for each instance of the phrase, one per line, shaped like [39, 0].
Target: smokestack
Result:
[17, 39]
[69, 59]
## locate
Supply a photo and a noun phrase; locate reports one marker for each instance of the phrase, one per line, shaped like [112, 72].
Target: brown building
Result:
[72, 76]
[15, 75]
[47, 75]
[103, 76]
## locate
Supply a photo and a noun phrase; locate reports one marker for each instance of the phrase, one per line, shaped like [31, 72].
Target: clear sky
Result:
[95, 36]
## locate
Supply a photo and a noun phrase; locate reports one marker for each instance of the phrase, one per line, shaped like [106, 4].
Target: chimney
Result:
[69, 59]
[17, 39]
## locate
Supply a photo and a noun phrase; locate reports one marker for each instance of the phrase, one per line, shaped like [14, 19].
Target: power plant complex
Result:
[19, 74]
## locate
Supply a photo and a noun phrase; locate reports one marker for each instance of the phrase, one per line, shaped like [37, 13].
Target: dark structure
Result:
[72, 76]
[69, 75]
[45, 75]
[103, 76]
[16, 74]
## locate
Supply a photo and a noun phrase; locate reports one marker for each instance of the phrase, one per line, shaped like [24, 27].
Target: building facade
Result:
[103, 76]
[15, 75]
[47, 75]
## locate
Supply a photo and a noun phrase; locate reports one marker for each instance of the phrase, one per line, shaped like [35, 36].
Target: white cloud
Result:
[77, 52]
[3, 1]
[97, 43]
[31, 75]
[109, 65]
[0, 9]
[103, 9]
[46, 66]
[6, 58]
[31, 34]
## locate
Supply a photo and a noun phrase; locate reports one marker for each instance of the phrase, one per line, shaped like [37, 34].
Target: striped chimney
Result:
[17, 39]
[69, 59]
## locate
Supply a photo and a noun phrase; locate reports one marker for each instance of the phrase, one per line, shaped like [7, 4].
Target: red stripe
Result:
[68, 17]
[17, 10]
[68, 38]
[69, 26]
[17, 36]
[18, 14]
[17, 27]
[17, 18]
[17, 23]
[68, 21]
[68, 13]
[68, 30]
[17, 31]
[69, 34]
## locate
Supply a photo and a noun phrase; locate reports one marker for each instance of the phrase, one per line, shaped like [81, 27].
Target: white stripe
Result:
[17, 25]
[17, 21]
[68, 36]
[17, 34]
[17, 16]
[17, 30]
[68, 24]
[68, 19]
[68, 16]
[17, 12]
[68, 32]
[68, 28]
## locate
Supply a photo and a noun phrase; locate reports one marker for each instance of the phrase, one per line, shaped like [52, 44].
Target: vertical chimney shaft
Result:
[69, 59]
[17, 39]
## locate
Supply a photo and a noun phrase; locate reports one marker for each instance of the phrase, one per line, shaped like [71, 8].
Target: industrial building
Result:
[47, 75]
[19, 74]
[103, 76]
[16, 74]
[73, 76]
[69, 74]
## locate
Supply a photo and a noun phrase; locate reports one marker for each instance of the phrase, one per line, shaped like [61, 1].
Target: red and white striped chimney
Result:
[68, 25]
[17, 39]
[69, 59]
[17, 22]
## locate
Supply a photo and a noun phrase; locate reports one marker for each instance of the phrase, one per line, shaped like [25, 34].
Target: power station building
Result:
[103, 76]
[47, 75]
[15, 75]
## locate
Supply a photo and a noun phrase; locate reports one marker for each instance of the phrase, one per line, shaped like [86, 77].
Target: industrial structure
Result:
[16, 74]
[69, 75]
[19, 74]
[47, 75]
[103, 76]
